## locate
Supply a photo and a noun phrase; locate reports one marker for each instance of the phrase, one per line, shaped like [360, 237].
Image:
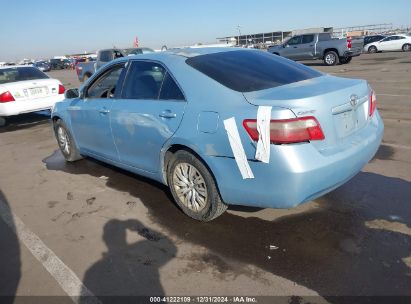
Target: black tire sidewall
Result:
[3, 121]
[372, 49]
[213, 196]
[74, 153]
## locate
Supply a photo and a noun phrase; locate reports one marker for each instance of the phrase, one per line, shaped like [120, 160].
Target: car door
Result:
[398, 43]
[90, 115]
[290, 48]
[147, 114]
[306, 48]
[385, 44]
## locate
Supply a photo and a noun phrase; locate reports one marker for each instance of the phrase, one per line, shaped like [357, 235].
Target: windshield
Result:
[247, 71]
[136, 51]
[20, 74]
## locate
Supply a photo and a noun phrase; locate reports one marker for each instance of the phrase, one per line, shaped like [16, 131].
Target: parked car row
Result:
[397, 42]
[25, 89]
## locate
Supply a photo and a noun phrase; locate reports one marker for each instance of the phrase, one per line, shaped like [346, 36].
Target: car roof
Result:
[15, 66]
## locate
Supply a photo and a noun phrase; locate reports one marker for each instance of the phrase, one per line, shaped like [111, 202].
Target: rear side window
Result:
[20, 74]
[308, 38]
[150, 80]
[249, 70]
[143, 80]
[324, 37]
[170, 90]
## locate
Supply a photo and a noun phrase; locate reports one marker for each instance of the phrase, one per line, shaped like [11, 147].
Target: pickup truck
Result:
[319, 46]
[86, 69]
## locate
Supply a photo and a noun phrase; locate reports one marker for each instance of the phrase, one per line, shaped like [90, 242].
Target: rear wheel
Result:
[406, 47]
[2, 121]
[331, 58]
[193, 187]
[66, 142]
[345, 60]
[372, 49]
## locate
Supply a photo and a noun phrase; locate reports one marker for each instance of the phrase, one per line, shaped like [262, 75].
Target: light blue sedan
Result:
[223, 126]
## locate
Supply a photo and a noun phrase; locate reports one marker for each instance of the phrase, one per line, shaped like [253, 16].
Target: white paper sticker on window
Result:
[237, 148]
[263, 127]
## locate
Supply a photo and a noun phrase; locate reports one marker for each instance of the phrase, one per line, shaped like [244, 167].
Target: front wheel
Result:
[66, 142]
[331, 58]
[372, 49]
[406, 47]
[345, 60]
[193, 187]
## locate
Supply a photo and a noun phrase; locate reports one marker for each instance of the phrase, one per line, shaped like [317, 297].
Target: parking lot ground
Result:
[114, 233]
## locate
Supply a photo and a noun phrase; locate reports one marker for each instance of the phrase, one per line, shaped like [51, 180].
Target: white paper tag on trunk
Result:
[263, 127]
[237, 148]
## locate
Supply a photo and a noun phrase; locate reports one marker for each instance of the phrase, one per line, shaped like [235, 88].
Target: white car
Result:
[391, 43]
[25, 89]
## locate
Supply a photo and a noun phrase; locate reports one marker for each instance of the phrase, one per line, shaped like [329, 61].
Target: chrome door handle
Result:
[104, 111]
[167, 114]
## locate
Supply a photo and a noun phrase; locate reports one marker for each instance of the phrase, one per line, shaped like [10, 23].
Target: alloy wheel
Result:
[190, 187]
[63, 140]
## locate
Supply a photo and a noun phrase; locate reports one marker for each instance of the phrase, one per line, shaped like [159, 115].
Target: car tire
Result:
[372, 49]
[2, 121]
[193, 187]
[406, 47]
[331, 58]
[66, 142]
[345, 60]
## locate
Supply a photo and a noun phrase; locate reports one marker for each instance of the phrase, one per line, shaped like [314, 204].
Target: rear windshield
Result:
[20, 74]
[248, 70]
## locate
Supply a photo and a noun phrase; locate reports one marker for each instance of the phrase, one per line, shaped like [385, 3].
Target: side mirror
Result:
[285, 46]
[72, 93]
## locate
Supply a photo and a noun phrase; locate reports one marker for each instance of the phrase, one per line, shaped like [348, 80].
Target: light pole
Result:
[239, 33]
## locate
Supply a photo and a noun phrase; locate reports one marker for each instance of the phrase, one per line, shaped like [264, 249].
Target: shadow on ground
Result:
[10, 264]
[332, 249]
[129, 269]
[25, 121]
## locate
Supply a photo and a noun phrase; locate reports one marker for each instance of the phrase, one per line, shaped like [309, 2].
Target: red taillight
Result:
[62, 89]
[288, 131]
[373, 103]
[78, 70]
[6, 97]
[349, 42]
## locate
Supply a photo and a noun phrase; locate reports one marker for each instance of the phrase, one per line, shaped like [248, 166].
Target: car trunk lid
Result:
[32, 89]
[339, 104]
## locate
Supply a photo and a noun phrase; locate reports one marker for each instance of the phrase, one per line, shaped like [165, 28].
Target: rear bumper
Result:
[352, 53]
[28, 106]
[297, 173]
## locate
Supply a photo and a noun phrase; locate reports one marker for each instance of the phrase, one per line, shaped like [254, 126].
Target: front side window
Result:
[387, 39]
[295, 40]
[105, 85]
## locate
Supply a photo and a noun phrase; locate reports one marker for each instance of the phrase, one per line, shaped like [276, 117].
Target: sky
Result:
[47, 28]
